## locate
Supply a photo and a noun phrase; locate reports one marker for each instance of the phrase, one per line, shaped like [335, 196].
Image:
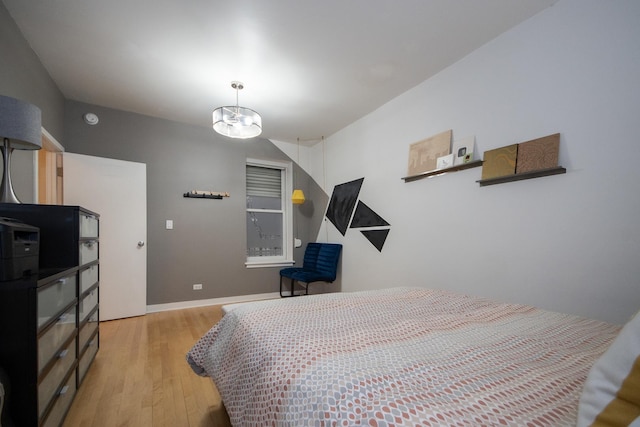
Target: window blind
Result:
[264, 182]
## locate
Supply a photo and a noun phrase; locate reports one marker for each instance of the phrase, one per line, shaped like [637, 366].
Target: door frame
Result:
[42, 172]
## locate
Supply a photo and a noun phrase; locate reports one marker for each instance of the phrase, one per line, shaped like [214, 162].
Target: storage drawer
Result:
[62, 403]
[53, 380]
[51, 341]
[88, 251]
[88, 303]
[88, 225]
[88, 277]
[87, 331]
[87, 358]
[55, 297]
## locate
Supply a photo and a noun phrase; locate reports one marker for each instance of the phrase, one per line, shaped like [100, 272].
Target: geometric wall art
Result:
[342, 202]
[366, 217]
[344, 213]
[376, 237]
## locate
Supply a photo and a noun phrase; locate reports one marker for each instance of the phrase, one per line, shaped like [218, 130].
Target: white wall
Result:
[568, 242]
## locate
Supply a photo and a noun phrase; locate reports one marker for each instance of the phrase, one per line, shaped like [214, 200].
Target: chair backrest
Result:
[322, 258]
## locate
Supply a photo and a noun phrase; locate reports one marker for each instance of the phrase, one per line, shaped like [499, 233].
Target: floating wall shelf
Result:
[463, 166]
[520, 176]
[198, 194]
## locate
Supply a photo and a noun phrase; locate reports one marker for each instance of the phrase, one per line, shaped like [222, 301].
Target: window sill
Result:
[261, 264]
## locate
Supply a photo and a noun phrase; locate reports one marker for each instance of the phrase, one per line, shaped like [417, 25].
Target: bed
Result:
[400, 356]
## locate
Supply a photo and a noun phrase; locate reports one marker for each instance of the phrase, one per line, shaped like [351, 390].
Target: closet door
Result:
[117, 191]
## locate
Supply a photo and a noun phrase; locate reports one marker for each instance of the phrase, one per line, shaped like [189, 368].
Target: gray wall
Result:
[207, 244]
[22, 76]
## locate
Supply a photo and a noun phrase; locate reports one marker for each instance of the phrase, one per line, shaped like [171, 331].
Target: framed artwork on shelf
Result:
[423, 155]
[500, 162]
[444, 161]
[463, 150]
[537, 154]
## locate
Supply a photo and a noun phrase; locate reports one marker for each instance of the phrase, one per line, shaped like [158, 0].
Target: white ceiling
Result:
[309, 67]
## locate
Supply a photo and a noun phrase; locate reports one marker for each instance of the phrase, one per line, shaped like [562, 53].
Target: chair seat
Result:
[287, 272]
[306, 276]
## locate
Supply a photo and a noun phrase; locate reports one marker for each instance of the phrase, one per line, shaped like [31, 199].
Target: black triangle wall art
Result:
[366, 217]
[376, 237]
[342, 207]
[343, 201]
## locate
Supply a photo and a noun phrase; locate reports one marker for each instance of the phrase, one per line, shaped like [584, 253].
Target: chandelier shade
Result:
[235, 121]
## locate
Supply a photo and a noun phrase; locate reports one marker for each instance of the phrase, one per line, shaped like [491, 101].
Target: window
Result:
[269, 223]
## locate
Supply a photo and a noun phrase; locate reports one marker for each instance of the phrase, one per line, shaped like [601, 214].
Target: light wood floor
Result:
[140, 376]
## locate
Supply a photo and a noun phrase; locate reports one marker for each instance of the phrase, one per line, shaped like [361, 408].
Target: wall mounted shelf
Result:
[520, 176]
[463, 166]
[197, 194]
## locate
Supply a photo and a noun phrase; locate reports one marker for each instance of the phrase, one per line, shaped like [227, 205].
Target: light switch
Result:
[169, 225]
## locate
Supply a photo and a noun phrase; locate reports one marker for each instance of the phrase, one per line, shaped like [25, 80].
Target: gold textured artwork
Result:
[500, 162]
[537, 154]
[423, 155]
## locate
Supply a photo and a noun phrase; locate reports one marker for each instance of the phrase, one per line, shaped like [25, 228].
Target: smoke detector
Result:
[91, 119]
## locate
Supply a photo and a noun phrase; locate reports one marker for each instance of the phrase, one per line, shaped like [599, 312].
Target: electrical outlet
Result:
[197, 286]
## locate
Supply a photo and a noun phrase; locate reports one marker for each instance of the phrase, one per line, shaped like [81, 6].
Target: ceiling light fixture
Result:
[235, 121]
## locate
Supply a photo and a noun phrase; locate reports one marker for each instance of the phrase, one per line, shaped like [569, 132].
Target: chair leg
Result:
[281, 296]
[291, 287]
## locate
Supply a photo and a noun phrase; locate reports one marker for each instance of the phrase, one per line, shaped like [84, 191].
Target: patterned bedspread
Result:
[399, 357]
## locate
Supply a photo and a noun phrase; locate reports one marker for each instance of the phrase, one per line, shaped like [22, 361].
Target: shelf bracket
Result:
[463, 166]
[522, 176]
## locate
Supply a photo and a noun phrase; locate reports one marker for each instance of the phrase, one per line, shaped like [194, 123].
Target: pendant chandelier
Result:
[235, 121]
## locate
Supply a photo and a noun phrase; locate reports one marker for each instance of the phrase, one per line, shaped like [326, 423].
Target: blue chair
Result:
[320, 265]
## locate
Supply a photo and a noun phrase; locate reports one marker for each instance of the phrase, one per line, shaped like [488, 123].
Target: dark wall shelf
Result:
[520, 176]
[463, 166]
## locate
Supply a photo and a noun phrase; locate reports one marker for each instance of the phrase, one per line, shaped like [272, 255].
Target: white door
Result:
[117, 191]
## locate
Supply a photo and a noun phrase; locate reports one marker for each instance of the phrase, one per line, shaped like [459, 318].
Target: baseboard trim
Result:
[213, 301]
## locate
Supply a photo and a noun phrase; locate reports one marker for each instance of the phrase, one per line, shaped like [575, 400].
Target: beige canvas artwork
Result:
[423, 155]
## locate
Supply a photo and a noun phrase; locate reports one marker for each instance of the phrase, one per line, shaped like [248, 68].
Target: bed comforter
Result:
[399, 357]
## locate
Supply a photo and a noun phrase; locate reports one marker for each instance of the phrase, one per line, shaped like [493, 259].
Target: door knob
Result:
[141, 243]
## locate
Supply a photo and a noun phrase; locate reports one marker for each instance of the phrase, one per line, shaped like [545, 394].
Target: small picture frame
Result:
[463, 150]
[444, 162]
